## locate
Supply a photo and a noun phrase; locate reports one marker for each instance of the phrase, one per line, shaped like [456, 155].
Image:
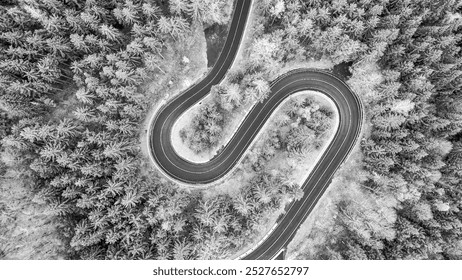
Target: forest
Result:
[73, 98]
[411, 153]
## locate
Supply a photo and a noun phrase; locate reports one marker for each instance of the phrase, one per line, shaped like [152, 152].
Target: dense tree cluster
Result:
[72, 102]
[412, 151]
[206, 11]
[206, 128]
[300, 128]
[85, 161]
[303, 127]
[242, 89]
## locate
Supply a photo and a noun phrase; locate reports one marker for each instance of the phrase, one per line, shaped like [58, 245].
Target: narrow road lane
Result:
[350, 119]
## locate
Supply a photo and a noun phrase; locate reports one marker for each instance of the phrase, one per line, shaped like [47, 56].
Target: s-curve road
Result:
[179, 169]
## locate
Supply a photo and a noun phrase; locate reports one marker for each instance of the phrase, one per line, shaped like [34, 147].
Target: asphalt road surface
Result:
[174, 166]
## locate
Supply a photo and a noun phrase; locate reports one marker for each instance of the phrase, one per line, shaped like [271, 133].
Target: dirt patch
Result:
[232, 121]
[342, 70]
[215, 36]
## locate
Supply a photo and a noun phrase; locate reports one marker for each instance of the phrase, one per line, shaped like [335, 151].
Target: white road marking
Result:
[292, 229]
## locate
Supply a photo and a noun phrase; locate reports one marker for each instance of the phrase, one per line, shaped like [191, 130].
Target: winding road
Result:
[350, 119]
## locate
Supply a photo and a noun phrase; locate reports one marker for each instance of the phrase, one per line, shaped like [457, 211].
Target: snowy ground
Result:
[233, 121]
[180, 76]
[239, 177]
[303, 165]
[320, 224]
